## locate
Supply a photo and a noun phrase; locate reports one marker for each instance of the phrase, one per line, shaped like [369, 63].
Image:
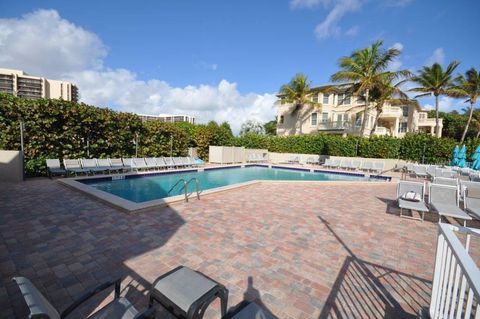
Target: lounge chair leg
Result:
[401, 212]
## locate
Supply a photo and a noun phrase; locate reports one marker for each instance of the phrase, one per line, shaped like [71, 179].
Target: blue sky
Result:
[223, 60]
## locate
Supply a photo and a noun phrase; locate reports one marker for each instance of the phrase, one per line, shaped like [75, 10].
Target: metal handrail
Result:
[185, 187]
[197, 188]
[180, 180]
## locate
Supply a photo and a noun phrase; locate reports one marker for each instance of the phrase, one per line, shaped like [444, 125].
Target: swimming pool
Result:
[149, 187]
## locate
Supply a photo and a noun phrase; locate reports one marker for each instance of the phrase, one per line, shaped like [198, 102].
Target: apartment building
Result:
[170, 118]
[21, 84]
[338, 112]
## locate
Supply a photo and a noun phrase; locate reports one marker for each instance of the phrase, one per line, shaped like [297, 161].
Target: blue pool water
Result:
[138, 189]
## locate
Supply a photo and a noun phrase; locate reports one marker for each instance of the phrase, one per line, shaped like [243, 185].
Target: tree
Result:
[387, 92]
[476, 121]
[252, 126]
[434, 80]
[468, 86]
[271, 127]
[297, 92]
[364, 69]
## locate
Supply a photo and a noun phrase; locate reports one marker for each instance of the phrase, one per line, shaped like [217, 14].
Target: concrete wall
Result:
[11, 166]
[226, 154]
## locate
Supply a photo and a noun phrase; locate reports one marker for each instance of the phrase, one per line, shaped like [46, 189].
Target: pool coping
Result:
[132, 207]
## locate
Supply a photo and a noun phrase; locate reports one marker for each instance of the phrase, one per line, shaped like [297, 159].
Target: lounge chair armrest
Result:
[90, 293]
[147, 314]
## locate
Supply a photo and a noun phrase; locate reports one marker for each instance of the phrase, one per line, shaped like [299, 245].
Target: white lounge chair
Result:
[139, 163]
[444, 200]
[378, 167]
[366, 166]
[151, 163]
[405, 187]
[445, 181]
[356, 164]
[74, 166]
[54, 167]
[345, 164]
[91, 165]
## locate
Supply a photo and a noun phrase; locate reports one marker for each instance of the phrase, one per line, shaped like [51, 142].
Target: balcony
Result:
[340, 126]
[426, 121]
[380, 130]
[392, 111]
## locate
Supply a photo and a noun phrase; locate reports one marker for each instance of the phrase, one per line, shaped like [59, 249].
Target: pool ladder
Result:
[185, 187]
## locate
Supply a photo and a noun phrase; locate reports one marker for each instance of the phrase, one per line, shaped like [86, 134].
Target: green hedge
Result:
[414, 147]
[61, 129]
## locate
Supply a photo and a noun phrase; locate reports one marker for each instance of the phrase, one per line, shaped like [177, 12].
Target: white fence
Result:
[456, 281]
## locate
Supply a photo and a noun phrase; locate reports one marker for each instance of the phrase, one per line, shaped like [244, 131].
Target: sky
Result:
[224, 60]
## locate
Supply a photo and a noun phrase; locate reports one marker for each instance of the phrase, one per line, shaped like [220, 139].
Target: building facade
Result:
[169, 118]
[341, 113]
[21, 84]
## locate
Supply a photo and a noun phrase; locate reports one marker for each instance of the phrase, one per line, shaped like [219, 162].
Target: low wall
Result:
[11, 166]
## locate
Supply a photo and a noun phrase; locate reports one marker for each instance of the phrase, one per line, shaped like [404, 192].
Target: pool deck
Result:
[299, 250]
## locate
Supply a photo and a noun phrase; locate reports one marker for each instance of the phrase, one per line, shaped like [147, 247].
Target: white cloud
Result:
[438, 56]
[353, 31]
[329, 27]
[43, 43]
[398, 3]
[446, 104]
[308, 3]
[396, 64]
[74, 54]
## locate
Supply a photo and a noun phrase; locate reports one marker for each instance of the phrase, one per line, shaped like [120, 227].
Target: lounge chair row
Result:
[369, 166]
[442, 199]
[182, 292]
[430, 171]
[115, 165]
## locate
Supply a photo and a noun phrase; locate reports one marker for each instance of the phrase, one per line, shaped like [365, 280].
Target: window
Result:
[358, 119]
[313, 119]
[315, 98]
[325, 98]
[402, 128]
[344, 99]
[405, 111]
[281, 119]
[324, 117]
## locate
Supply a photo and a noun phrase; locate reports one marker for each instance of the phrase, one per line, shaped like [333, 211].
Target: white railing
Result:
[456, 281]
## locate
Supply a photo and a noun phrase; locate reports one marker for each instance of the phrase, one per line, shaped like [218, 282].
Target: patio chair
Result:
[120, 307]
[105, 164]
[356, 164]
[431, 169]
[335, 163]
[198, 161]
[464, 185]
[54, 167]
[169, 162]
[327, 162]
[419, 171]
[293, 160]
[444, 200]
[74, 166]
[151, 162]
[311, 160]
[160, 163]
[91, 165]
[139, 163]
[186, 293]
[366, 166]
[471, 200]
[445, 181]
[250, 311]
[120, 165]
[128, 163]
[405, 187]
[378, 167]
[345, 163]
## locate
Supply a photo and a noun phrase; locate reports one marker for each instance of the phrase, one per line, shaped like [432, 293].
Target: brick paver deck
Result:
[300, 250]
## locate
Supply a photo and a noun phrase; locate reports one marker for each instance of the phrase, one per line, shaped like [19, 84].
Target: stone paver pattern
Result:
[300, 250]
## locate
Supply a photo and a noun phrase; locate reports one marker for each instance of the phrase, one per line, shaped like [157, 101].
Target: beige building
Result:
[21, 84]
[170, 118]
[342, 113]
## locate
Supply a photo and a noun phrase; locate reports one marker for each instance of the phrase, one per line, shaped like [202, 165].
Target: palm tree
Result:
[387, 92]
[297, 92]
[468, 86]
[434, 80]
[364, 69]
[476, 121]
